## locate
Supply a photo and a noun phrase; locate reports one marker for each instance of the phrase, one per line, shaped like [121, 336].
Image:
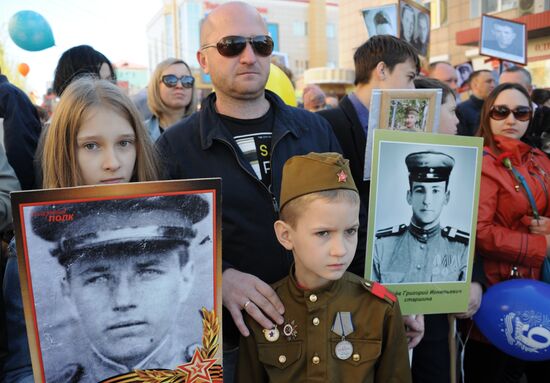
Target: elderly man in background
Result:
[444, 72]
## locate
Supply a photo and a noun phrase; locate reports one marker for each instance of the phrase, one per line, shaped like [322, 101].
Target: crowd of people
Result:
[294, 237]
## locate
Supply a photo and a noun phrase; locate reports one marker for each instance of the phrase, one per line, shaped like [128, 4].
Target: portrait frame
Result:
[390, 215]
[488, 44]
[389, 11]
[192, 239]
[463, 73]
[384, 107]
[423, 47]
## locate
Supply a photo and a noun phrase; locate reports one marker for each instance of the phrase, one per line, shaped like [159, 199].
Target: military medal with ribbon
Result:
[343, 326]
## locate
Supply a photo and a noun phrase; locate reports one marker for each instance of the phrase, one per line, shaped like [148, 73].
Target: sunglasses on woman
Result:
[501, 112]
[231, 46]
[171, 80]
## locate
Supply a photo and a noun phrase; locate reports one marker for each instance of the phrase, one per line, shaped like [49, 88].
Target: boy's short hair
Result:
[291, 212]
[386, 48]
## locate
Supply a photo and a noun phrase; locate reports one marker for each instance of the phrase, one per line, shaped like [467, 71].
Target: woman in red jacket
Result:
[510, 241]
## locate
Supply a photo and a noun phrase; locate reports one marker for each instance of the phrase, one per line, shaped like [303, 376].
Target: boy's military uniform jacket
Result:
[308, 353]
[411, 254]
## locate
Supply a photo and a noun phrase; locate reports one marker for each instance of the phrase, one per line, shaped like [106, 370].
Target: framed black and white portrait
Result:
[121, 281]
[381, 20]
[463, 72]
[414, 110]
[422, 217]
[415, 25]
[503, 39]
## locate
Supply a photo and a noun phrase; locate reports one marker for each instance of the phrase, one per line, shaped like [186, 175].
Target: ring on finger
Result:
[246, 304]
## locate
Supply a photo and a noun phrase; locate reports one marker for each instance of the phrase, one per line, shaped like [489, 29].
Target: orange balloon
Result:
[23, 69]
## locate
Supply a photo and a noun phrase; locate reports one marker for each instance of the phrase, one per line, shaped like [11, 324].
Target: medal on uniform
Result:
[271, 335]
[343, 326]
[289, 330]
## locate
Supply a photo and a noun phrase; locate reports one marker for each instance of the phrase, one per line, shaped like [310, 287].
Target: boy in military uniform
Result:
[423, 251]
[127, 273]
[337, 326]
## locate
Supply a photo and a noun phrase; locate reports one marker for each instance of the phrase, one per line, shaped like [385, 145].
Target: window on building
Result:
[546, 5]
[331, 31]
[438, 12]
[478, 7]
[299, 28]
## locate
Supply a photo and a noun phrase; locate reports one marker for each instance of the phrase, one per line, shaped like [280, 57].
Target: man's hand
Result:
[242, 291]
[475, 301]
[414, 329]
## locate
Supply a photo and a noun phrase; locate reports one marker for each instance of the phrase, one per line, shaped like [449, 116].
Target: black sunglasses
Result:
[501, 112]
[171, 80]
[231, 46]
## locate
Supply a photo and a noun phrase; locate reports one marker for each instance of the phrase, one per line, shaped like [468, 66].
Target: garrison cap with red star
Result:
[315, 172]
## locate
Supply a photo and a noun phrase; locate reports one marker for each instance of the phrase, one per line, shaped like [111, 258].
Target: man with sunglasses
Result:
[244, 134]
[468, 112]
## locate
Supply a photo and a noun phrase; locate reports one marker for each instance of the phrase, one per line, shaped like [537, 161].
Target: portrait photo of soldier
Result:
[408, 23]
[422, 33]
[463, 72]
[119, 284]
[381, 20]
[408, 115]
[417, 239]
[503, 39]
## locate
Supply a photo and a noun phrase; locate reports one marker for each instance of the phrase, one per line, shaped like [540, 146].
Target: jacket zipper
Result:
[274, 202]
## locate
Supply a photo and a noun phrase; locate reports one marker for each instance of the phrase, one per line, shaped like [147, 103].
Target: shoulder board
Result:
[380, 291]
[393, 230]
[455, 235]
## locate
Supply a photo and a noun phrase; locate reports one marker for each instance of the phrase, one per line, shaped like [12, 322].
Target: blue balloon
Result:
[515, 316]
[30, 31]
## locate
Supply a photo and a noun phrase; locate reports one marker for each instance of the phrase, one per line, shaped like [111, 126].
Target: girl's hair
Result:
[78, 61]
[154, 101]
[485, 121]
[432, 83]
[59, 159]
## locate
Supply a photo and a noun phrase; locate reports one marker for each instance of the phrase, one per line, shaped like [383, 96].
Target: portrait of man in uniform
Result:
[381, 20]
[503, 39]
[411, 122]
[408, 22]
[409, 115]
[423, 250]
[125, 283]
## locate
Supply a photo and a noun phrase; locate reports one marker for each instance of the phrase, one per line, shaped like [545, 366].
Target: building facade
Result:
[455, 31]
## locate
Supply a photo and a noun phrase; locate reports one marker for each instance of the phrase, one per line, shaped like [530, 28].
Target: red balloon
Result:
[23, 69]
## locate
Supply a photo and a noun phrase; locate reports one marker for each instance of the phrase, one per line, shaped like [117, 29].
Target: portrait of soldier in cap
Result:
[127, 275]
[422, 250]
[411, 122]
[381, 20]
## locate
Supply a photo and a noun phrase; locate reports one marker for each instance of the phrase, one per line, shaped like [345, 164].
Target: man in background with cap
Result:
[127, 274]
[423, 251]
